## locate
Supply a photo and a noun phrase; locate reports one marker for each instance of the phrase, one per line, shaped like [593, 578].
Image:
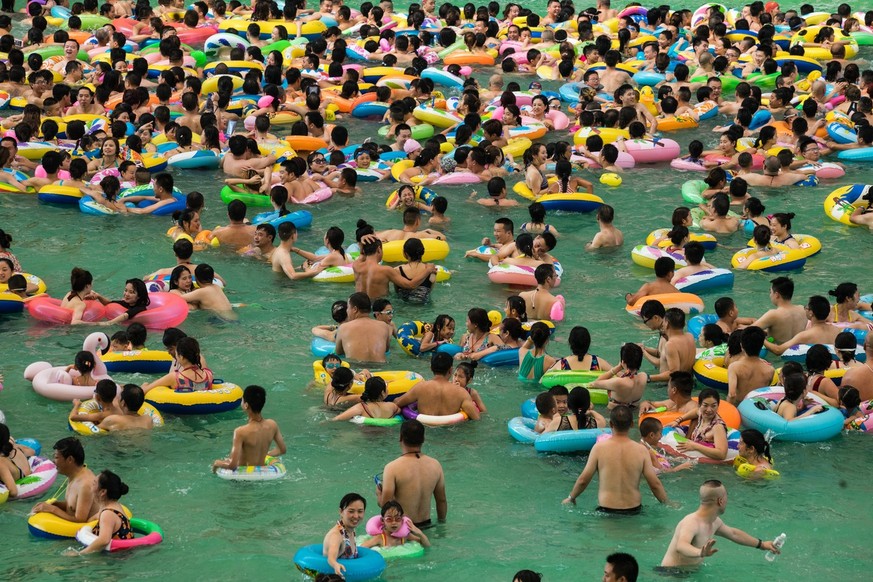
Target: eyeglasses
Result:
[646, 320]
[319, 161]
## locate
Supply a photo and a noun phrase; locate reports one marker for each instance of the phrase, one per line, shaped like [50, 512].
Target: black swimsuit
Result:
[123, 532]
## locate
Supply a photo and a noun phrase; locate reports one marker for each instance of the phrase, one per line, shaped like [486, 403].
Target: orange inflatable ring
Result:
[727, 411]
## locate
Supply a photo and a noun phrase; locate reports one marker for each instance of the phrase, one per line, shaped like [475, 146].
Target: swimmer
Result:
[464, 373]
[608, 235]
[80, 502]
[754, 450]
[441, 332]
[540, 302]
[14, 463]
[440, 396]
[503, 242]
[81, 369]
[251, 442]
[497, 193]
[692, 539]
[340, 541]
[729, 319]
[665, 268]
[362, 337]
[676, 350]
[785, 320]
[112, 523]
[621, 463]
[537, 224]
[208, 295]
[336, 394]
[372, 402]
[128, 417]
[694, 253]
[650, 436]
[624, 383]
[392, 520]
[104, 401]
[578, 403]
[792, 405]
[191, 374]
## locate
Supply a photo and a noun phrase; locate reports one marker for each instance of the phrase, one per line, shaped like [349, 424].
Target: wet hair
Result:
[539, 334]
[784, 218]
[71, 447]
[794, 385]
[579, 402]
[621, 418]
[132, 396]
[631, 355]
[255, 397]
[113, 485]
[783, 286]
[106, 390]
[136, 333]
[650, 425]
[755, 440]
[189, 348]
[694, 253]
[342, 379]
[683, 382]
[545, 402]
[79, 279]
[350, 498]
[818, 359]
[142, 294]
[845, 345]
[84, 362]
[714, 334]
[752, 340]
[844, 291]
[373, 389]
[849, 397]
[469, 369]
[579, 341]
[412, 432]
[708, 393]
[171, 337]
[761, 235]
[479, 318]
[819, 306]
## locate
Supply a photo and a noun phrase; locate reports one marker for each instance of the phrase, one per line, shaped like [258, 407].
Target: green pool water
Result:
[505, 509]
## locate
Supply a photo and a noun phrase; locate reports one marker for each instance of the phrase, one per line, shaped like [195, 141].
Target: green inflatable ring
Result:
[250, 198]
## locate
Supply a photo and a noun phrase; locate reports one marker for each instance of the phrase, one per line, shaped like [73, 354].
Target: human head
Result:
[753, 439]
[712, 492]
[254, 398]
[441, 364]
[111, 485]
[620, 567]
[132, 397]
[527, 576]
[69, 453]
[412, 433]
[620, 419]
[682, 382]
[794, 385]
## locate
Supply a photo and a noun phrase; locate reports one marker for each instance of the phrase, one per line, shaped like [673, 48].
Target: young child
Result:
[438, 212]
[516, 308]
[850, 405]
[81, 369]
[548, 419]
[761, 237]
[136, 334]
[695, 153]
[441, 332]
[464, 373]
[650, 435]
[120, 342]
[794, 402]
[392, 528]
[99, 407]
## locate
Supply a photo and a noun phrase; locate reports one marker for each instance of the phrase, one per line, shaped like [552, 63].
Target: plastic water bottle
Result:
[777, 543]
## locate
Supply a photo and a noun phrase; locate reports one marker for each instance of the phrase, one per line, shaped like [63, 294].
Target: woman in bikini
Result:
[580, 341]
[80, 370]
[372, 404]
[707, 433]
[780, 224]
[340, 541]
[109, 152]
[191, 375]
[478, 336]
[337, 395]
[80, 289]
[583, 414]
[112, 523]
[819, 360]
[844, 313]
[534, 175]
[13, 462]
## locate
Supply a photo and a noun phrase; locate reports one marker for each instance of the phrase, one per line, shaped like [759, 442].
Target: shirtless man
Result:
[361, 337]
[237, 234]
[208, 295]
[162, 186]
[861, 377]
[612, 78]
[79, 503]
[729, 319]
[749, 372]
[694, 253]
[504, 242]
[664, 268]
[413, 478]
[676, 350]
[679, 395]
[540, 301]
[262, 242]
[281, 257]
[439, 396]
[608, 236]
[239, 161]
[772, 176]
[183, 249]
[130, 401]
[372, 278]
[692, 539]
[621, 462]
[251, 442]
[819, 330]
[786, 320]
[411, 222]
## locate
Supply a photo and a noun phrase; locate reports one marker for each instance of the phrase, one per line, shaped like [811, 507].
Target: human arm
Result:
[232, 462]
[596, 242]
[717, 452]
[167, 380]
[631, 298]
[685, 542]
[279, 449]
[78, 312]
[584, 477]
[740, 537]
[400, 281]
[652, 479]
[469, 408]
[352, 412]
[439, 496]
[418, 535]
[671, 354]
[109, 522]
[410, 397]
[780, 349]
[733, 380]
[333, 550]
[8, 480]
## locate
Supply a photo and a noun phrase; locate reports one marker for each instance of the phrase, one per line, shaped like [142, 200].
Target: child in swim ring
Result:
[441, 332]
[388, 529]
[650, 433]
[336, 394]
[464, 373]
[548, 419]
[81, 369]
[794, 402]
[101, 406]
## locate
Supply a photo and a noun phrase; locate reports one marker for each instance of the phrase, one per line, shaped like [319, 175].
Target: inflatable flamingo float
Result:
[56, 383]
